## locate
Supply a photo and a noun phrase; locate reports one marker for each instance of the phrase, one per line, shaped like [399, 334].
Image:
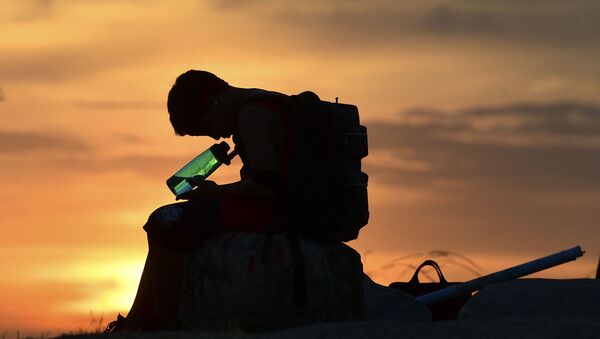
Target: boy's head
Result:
[189, 98]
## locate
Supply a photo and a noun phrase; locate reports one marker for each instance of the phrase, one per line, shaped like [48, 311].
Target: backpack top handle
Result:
[415, 277]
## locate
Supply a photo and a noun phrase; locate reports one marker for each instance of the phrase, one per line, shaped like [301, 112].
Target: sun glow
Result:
[115, 295]
[108, 282]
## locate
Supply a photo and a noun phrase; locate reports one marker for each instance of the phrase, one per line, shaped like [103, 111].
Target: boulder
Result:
[536, 297]
[247, 281]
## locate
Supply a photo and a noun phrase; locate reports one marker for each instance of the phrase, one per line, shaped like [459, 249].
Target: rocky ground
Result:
[499, 327]
[524, 308]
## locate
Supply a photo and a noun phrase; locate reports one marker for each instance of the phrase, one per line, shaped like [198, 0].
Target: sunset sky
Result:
[483, 120]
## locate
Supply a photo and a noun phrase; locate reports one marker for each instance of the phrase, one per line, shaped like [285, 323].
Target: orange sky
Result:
[484, 130]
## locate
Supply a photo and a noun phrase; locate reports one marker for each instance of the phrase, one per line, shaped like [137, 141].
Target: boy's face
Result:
[212, 123]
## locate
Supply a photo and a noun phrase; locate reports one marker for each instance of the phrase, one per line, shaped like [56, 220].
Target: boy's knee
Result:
[165, 214]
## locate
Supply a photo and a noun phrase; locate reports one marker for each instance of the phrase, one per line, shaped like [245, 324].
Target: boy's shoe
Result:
[117, 325]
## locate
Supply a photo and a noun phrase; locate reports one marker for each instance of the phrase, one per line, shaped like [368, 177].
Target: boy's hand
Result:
[196, 180]
[203, 188]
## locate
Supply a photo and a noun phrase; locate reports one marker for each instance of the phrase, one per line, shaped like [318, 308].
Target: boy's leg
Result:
[167, 278]
[157, 299]
[180, 227]
[142, 309]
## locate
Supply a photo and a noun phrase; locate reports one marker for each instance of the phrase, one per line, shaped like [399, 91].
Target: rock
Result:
[536, 297]
[385, 303]
[228, 285]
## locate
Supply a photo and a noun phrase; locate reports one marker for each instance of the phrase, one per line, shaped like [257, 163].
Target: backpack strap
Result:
[277, 180]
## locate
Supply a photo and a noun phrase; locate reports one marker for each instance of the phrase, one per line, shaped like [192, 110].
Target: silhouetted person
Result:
[201, 104]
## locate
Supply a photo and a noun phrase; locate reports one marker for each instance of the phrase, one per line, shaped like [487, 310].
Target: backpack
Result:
[327, 196]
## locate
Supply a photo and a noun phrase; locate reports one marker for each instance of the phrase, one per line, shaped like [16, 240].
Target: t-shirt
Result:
[259, 215]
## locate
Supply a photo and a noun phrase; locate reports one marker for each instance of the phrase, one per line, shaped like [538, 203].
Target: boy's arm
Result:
[246, 188]
[255, 126]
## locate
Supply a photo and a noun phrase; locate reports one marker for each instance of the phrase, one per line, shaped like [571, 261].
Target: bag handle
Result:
[415, 277]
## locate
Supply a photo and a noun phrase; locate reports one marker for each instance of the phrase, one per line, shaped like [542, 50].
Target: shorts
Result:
[182, 226]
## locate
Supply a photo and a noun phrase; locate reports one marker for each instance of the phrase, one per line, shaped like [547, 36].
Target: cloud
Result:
[130, 138]
[558, 124]
[59, 153]
[545, 21]
[518, 148]
[155, 167]
[118, 105]
[35, 10]
[508, 177]
[229, 4]
[65, 62]
[19, 143]
[386, 21]
[56, 153]
[152, 166]
[98, 46]
[27, 10]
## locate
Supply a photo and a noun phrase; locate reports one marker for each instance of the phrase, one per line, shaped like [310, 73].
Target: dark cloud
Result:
[520, 124]
[21, 143]
[35, 10]
[556, 22]
[151, 166]
[393, 22]
[229, 4]
[52, 65]
[513, 148]
[24, 153]
[119, 105]
[30, 10]
[513, 177]
[27, 152]
[156, 167]
[130, 138]
[60, 63]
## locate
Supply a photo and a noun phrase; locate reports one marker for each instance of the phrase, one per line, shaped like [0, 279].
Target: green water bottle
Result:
[203, 165]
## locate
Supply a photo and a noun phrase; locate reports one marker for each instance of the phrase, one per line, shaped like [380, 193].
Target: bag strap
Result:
[415, 277]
